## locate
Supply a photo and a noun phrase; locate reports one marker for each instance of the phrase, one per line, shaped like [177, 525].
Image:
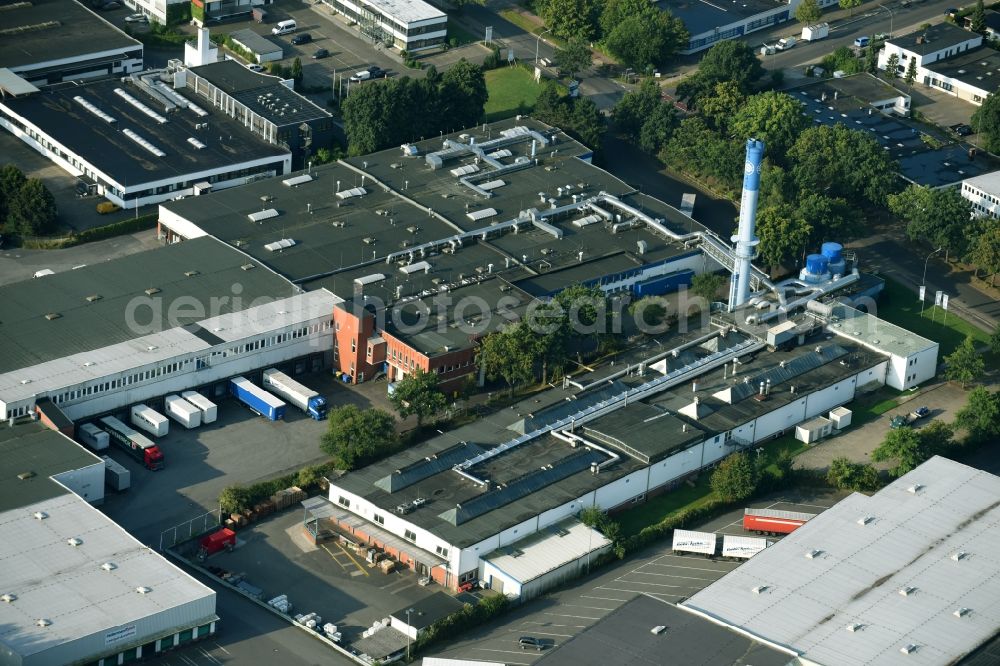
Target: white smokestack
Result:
[746, 242]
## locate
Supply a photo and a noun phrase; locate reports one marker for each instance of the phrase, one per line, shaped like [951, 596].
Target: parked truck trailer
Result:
[812, 33]
[303, 397]
[116, 476]
[182, 411]
[209, 410]
[150, 420]
[133, 442]
[257, 399]
[92, 436]
[769, 521]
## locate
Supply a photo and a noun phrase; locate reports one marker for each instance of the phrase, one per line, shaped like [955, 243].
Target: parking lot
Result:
[657, 572]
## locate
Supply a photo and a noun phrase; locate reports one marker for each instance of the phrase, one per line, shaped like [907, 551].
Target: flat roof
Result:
[254, 42]
[868, 330]
[979, 68]
[914, 565]
[66, 585]
[28, 337]
[701, 16]
[42, 31]
[646, 430]
[58, 113]
[407, 11]
[625, 636]
[933, 38]
[546, 550]
[987, 182]
[12, 84]
[425, 612]
[864, 87]
[31, 447]
[263, 94]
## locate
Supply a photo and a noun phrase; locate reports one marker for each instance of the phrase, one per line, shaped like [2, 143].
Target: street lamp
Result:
[890, 19]
[923, 280]
[408, 627]
[538, 40]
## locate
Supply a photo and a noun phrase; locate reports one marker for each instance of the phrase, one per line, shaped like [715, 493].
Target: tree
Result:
[464, 94]
[32, 211]
[735, 479]
[296, 71]
[903, 445]
[892, 66]
[634, 108]
[936, 437]
[616, 11]
[995, 341]
[783, 235]
[707, 285]
[981, 415]
[586, 309]
[938, 217]
[649, 313]
[911, 72]
[418, 393]
[729, 60]
[978, 18]
[965, 364]
[575, 57]
[647, 40]
[842, 162]
[774, 117]
[658, 128]
[808, 12]
[848, 475]
[850, 4]
[829, 217]
[719, 108]
[986, 120]
[985, 253]
[571, 18]
[579, 117]
[508, 354]
[356, 437]
[11, 181]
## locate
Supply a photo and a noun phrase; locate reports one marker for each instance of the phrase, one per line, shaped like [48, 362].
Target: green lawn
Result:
[900, 306]
[525, 23]
[460, 34]
[511, 89]
[656, 509]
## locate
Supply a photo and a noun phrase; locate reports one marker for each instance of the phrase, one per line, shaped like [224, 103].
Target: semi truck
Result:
[116, 477]
[182, 411]
[257, 399]
[209, 410]
[92, 436]
[303, 397]
[770, 521]
[150, 420]
[134, 443]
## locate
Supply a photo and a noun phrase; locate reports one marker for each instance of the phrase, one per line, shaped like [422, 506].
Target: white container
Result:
[209, 410]
[150, 420]
[116, 477]
[182, 411]
[93, 436]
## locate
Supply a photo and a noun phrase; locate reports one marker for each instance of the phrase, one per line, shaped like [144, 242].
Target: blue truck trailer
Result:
[257, 399]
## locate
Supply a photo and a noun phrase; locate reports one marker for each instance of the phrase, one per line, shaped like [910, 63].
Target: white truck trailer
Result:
[303, 397]
[812, 33]
[93, 436]
[116, 477]
[182, 411]
[209, 410]
[150, 420]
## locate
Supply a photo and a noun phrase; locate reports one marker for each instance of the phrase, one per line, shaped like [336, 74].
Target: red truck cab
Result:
[152, 458]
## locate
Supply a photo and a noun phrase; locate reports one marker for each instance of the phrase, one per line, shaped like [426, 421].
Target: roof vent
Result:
[855, 627]
[152, 290]
[959, 556]
[961, 612]
[246, 267]
[109, 566]
[40, 515]
[152, 348]
[906, 590]
[908, 648]
[190, 273]
[760, 589]
[73, 541]
[93, 297]
[87, 364]
[813, 554]
[864, 520]
[915, 488]
[42, 622]
[24, 476]
[53, 315]
[25, 381]
[8, 598]
[143, 590]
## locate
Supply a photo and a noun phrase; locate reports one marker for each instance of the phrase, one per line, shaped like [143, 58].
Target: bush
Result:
[460, 622]
[238, 498]
[735, 479]
[106, 207]
[847, 475]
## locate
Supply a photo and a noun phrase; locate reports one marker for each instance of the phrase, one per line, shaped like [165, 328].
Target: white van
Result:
[284, 27]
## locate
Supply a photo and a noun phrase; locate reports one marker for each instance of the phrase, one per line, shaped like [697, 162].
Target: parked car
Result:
[373, 72]
[254, 67]
[322, 53]
[137, 18]
[861, 42]
[962, 129]
[107, 7]
[898, 422]
[920, 413]
[302, 38]
[530, 642]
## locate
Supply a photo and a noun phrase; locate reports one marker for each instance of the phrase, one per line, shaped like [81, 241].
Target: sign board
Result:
[538, 74]
[694, 542]
[510, 55]
[740, 546]
[923, 292]
[937, 297]
[944, 301]
[489, 34]
[120, 634]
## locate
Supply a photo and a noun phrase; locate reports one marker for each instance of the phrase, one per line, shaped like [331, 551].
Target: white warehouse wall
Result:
[87, 482]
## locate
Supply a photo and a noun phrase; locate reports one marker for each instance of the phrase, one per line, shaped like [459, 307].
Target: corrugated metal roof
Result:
[66, 585]
[547, 550]
[917, 523]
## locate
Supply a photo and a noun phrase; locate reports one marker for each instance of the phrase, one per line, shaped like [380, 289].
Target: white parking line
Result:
[549, 633]
[578, 617]
[208, 656]
[590, 607]
[679, 587]
[586, 596]
[679, 566]
[550, 624]
[663, 575]
[505, 652]
[222, 648]
[615, 589]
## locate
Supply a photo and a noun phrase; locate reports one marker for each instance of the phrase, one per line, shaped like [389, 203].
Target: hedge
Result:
[460, 622]
[119, 228]
[238, 498]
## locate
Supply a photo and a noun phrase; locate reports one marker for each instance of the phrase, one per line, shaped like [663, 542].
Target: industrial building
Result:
[265, 105]
[49, 41]
[408, 25]
[261, 48]
[139, 140]
[984, 193]
[97, 339]
[76, 588]
[905, 576]
[160, 10]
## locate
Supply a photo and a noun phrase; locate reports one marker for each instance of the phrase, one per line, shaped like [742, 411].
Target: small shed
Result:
[841, 417]
[813, 430]
[414, 619]
[261, 48]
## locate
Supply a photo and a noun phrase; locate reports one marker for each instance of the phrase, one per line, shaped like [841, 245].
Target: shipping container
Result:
[182, 411]
[257, 399]
[92, 436]
[303, 397]
[769, 521]
[209, 410]
[150, 420]
[116, 476]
